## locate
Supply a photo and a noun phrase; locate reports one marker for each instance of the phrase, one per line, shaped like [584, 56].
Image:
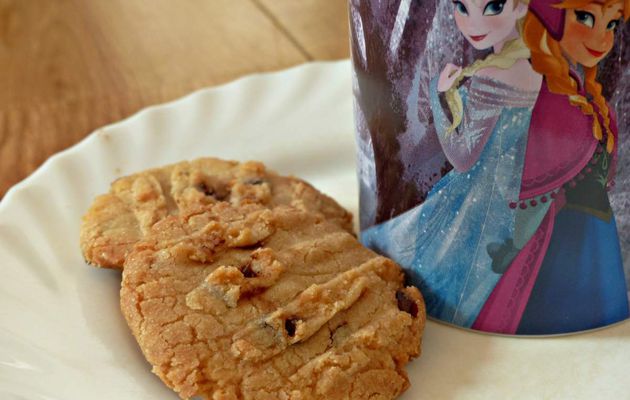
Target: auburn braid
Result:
[594, 88]
[547, 59]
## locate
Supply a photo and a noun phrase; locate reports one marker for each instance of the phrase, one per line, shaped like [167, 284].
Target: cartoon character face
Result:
[485, 23]
[589, 32]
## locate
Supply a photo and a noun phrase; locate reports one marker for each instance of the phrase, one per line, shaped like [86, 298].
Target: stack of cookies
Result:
[239, 283]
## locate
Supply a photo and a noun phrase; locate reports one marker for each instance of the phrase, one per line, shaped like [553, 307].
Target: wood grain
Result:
[70, 66]
[319, 28]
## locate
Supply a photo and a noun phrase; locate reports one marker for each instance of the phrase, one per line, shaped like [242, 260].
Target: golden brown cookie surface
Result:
[122, 217]
[269, 304]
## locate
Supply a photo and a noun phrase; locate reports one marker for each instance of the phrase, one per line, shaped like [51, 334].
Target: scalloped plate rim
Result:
[159, 107]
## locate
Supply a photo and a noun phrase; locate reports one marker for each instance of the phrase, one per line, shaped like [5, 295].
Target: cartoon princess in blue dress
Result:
[492, 240]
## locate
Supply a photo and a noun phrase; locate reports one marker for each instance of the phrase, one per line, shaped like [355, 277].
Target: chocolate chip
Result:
[221, 196]
[289, 326]
[202, 187]
[255, 181]
[248, 272]
[252, 247]
[406, 304]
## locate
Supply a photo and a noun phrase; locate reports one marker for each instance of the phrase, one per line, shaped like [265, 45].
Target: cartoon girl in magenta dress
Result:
[569, 275]
[520, 236]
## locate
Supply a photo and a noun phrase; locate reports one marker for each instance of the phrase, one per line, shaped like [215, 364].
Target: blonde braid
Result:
[511, 52]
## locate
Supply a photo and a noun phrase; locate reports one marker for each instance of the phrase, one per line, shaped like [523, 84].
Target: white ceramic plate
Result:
[62, 336]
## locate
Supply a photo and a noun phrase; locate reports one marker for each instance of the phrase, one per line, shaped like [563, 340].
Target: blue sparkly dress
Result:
[443, 243]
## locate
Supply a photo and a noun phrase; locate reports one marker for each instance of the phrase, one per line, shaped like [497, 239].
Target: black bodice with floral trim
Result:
[588, 191]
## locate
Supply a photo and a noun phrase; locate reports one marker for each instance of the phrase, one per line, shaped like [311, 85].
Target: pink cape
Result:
[560, 144]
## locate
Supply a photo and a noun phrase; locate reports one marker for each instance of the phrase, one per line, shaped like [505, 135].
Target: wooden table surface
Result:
[68, 67]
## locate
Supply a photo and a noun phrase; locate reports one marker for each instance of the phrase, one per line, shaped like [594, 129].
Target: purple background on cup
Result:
[397, 47]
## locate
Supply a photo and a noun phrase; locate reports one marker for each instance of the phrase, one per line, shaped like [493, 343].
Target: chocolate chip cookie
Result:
[236, 300]
[122, 217]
